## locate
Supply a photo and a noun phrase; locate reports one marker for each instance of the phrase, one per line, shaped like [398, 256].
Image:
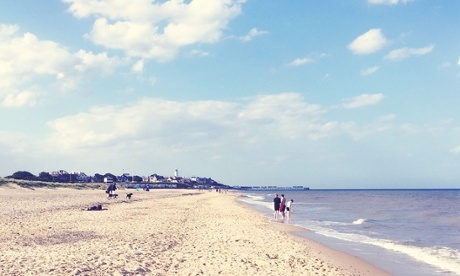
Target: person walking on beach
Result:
[289, 207]
[277, 202]
[111, 189]
[283, 205]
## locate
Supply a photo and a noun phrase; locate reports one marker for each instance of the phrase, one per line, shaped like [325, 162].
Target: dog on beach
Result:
[112, 195]
[129, 195]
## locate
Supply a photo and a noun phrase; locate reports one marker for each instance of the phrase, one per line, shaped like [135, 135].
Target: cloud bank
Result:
[153, 29]
[23, 71]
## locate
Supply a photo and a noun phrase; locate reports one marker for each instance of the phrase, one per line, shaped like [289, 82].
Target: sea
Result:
[405, 232]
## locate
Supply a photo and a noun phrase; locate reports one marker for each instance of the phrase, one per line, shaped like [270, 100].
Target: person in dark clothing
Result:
[277, 203]
[283, 205]
[111, 189]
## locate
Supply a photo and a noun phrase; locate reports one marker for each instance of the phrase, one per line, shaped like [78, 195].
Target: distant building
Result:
[60, 172]
[175, 179]
[82, 177]
[156, 178]
[124, 177]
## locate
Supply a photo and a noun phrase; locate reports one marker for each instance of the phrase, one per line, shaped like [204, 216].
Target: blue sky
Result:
[325, 94]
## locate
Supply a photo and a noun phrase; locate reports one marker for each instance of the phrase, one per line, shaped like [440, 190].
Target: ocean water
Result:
[405, 232]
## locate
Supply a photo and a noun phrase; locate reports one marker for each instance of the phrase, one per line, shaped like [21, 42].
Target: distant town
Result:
[152, 181]
[125, 179]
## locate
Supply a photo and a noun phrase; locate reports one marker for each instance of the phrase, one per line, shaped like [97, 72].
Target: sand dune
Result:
[161, 232]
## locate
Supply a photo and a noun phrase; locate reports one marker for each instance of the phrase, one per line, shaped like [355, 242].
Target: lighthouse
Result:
[176, 173]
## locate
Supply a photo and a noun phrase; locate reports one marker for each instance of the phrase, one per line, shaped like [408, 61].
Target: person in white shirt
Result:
[289, 207]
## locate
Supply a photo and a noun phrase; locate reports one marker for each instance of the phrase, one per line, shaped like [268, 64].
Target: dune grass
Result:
[50, 185]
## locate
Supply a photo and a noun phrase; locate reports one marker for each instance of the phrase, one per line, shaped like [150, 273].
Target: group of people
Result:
[282, 207]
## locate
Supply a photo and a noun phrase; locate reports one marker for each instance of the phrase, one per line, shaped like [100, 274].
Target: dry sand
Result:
[161, 232]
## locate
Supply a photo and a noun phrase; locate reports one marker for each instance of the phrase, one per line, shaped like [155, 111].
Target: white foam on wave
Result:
[330, 223]
[442, 257]
[360, 221]
[257, 201]
[251, 196]
[254, 197]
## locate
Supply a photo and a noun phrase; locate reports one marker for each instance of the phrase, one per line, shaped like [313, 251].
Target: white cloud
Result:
[455, 150]
[156, 30]
[198, 53]
[7, 30]
[286, 115]
[300, 61]
[363, 100]
[458, 62]
[388, 2]
[384, 124]
[24, 98]
[138, 67]
[252, 33]
[368, 43]
[155, 135]
[369, 71]
[197, 124]
[28, 54]
[27, 63]
[99, 65]
[404, 53]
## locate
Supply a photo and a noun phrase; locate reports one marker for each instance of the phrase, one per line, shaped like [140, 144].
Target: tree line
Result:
[66, 177]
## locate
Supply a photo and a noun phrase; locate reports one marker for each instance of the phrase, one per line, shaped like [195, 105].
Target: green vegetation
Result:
[31, 184]
[60, 177]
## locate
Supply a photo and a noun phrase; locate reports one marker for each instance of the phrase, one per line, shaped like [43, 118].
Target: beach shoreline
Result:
[336, 257]
[161, 232]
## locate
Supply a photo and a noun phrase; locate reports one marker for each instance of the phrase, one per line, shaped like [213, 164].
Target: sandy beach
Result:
[161, 232]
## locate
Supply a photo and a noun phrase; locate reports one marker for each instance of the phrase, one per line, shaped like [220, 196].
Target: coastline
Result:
[350, 263]
[161, 232]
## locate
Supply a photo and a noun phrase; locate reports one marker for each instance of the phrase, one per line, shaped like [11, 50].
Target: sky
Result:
[324, 94]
